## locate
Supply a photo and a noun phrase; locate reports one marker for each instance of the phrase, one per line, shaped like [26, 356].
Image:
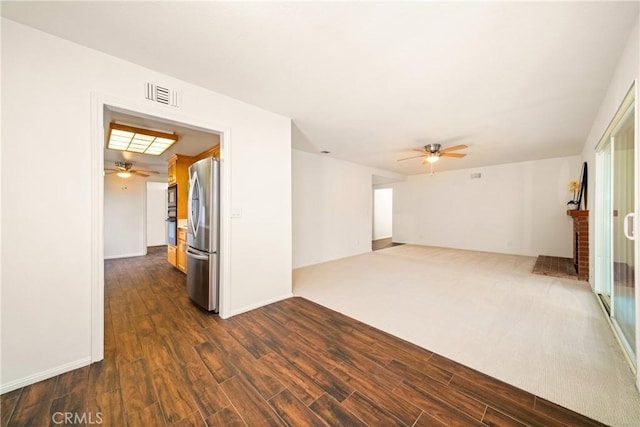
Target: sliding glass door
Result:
[624, 301]
[615, 204]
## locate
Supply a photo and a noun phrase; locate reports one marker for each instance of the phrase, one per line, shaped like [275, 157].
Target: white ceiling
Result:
[370, 81]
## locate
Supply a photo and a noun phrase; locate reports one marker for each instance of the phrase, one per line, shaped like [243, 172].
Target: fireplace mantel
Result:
[576, 213]
[580, 242]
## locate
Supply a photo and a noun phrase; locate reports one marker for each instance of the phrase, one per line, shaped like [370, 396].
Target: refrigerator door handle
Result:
[196, 256]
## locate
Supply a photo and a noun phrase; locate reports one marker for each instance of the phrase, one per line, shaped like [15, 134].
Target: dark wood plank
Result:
[205, 391]
[137, 386]
[103, 377]
[143, 325]
[293, 411]
[435, 407]
[228, 417]
[508, 391]
[157, 351]
[563, 414]
[333, 413]
[383, 376]
[7, 406]
[484, 391]
[73, 381]
[330, 383]
[220, 366]
[370, 412]
[297, 382]
[32, 416]
[419, 376]
[493, 417]
[193, 420]
[427, 420]
[259, 376]
[42, 391]
[74, 405]
[399, 407]
[253, 409]
[107, 407]
[250, 342]
[128, 346]
[10, 396]
[174, 397]
[182, 349]
[448, 395]
[313, 343]
[151, 416]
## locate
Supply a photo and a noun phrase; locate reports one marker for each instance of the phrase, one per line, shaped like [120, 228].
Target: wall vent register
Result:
[161, 95]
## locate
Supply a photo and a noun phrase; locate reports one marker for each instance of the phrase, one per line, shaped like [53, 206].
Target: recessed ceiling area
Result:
[191, 141]
[371, 81]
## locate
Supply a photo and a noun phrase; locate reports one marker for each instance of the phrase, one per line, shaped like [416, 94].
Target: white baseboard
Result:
[258, 305]
[124, 256]
[44, 375]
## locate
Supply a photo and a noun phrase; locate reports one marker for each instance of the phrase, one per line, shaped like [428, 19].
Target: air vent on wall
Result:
[161, 95]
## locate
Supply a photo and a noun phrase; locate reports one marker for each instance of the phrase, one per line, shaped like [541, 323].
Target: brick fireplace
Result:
[580, 242]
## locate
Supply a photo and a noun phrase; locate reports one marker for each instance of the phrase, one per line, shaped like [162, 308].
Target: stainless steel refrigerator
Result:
[203, 230]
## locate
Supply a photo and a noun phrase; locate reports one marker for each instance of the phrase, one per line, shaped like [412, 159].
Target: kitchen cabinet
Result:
[181, 256]
[179, 167]
[171, 254]
[172, 170]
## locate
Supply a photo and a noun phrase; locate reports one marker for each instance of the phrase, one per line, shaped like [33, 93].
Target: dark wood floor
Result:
[376, 245]
[290, 363]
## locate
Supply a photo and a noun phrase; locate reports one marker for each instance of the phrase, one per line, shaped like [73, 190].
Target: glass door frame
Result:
[630, 100]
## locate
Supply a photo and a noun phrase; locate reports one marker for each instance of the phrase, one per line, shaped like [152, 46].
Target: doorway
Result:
[382, 218]
[99, 105]
[615, 222]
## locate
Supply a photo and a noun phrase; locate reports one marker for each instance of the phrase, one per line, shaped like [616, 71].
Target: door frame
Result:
[97, 140]
[623, 105]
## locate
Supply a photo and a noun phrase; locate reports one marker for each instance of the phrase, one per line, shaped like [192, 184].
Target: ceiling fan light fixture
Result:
[431, 158]
[124, 174]
[138, 140]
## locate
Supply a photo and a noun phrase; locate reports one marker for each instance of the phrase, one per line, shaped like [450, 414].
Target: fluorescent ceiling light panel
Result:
[138, 140]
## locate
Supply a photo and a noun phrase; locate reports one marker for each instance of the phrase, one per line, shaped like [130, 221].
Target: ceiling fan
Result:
[123, 169]
[432, 152]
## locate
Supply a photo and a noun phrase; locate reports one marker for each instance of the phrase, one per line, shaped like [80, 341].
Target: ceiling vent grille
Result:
[161, 95]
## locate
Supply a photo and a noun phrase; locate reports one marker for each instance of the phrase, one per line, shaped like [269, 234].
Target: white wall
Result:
[156, 213]
[517, 208]
[124, 217]
[382, 213]
[332, 208]
[47, 87]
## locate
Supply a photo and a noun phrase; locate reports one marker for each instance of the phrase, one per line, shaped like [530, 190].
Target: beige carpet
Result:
[488, 311]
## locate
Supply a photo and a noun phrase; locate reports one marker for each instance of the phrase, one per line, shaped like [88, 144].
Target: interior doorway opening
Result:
[382, 233]
[103, 109]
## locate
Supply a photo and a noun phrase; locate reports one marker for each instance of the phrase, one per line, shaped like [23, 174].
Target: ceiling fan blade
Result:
[421, 150]
[454, 148]
[458, 155]
[146, 171]
[412, 157]
[111, 170]
[138, 173]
